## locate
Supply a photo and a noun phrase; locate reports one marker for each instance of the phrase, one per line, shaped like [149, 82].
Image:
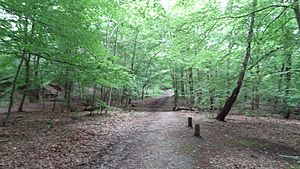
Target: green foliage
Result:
[297, 158]
[135, 47]
[256, 113]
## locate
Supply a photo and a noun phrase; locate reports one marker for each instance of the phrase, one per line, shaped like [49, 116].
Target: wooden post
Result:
[190, 122]
[197, 130]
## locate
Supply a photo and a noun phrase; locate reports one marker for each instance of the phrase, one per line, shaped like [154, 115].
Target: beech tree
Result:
[107, 53]
[232, 98]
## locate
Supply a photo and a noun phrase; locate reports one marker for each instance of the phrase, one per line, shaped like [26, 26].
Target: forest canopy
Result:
[107, 52]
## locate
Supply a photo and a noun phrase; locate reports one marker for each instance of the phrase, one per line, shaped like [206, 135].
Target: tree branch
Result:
[255, 11]
[48, 57]
[264, 56]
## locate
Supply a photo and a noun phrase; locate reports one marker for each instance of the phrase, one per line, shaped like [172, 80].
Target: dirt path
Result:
[152, 137]
[161, 140]
[157, 104]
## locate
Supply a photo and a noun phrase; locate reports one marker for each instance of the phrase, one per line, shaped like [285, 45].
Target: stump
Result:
[197, 130]
[190, 122]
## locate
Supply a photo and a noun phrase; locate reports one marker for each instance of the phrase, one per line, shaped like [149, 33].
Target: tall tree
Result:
[232, 98]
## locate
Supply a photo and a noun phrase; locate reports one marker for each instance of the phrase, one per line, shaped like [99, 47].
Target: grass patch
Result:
[296, 166]
[249, 143]
[4, 104]
[256, 114]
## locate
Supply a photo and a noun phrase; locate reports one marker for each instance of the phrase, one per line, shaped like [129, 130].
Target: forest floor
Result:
[152, 137]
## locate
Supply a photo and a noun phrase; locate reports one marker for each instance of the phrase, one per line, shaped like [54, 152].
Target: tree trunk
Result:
[198, 94]
[102, 92]
[257, 97]
[34, 95]
[232, 98]
[253, 96]
[175, 86]
[56, 94]
[210, 91]
[277, 100]
[27, 83]
[143, 91]
[116, 42]
[106, 40]
[134, 52]
[297, 12]
[69, 89]
[182, 90]
[36, 74]
[123, 95]
[191, 86]
[288, 78]
[27, 63]
[80, 89]
[11, 98]
[94, 97]
[255, 90]
[109, 102]
[66, 85]
[55, 100]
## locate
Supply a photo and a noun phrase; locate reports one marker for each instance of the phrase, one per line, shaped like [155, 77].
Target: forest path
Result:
[159, 140]
[153, 137]
[162, 103]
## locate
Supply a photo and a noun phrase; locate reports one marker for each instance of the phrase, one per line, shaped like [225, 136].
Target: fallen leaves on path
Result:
[45, 140]
[66, 143]
[249, 142]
